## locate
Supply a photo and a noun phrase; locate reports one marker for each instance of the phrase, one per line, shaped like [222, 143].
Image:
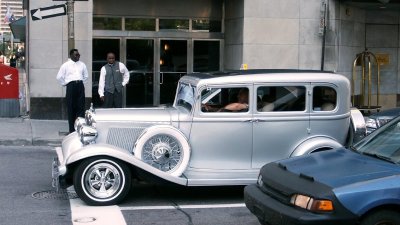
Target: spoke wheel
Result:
[164, 148]
[102, 181]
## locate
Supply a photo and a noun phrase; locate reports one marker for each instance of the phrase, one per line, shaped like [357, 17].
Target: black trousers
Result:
[75, 98]
[112, 100]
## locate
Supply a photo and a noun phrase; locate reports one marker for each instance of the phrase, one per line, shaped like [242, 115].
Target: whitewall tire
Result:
[165, 148]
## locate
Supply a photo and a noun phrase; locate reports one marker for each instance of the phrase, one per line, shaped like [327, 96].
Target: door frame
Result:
[123, 37]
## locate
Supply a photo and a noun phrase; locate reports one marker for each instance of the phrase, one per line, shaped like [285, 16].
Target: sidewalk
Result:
[25, 131]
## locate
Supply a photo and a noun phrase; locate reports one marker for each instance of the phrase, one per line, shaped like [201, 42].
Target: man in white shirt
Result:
[113, 77]
[72, 74]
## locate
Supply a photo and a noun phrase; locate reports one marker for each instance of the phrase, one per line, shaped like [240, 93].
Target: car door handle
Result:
[254, 120]
[258, 120]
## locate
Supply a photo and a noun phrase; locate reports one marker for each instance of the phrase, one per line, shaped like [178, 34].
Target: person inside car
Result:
[242, 105]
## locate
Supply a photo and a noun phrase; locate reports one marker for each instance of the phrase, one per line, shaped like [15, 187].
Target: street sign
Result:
[47, 12]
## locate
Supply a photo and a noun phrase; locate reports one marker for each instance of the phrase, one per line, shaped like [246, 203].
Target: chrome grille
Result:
[124, 137]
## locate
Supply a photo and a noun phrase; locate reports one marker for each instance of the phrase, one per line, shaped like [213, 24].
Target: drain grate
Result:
[53, 194]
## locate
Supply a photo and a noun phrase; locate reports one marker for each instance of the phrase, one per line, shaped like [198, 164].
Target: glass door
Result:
[173, 65]
[140, 63]
[99, 58]
[206, 55]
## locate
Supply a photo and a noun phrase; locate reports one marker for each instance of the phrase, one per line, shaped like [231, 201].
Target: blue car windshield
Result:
[385, 144]
[185, 96]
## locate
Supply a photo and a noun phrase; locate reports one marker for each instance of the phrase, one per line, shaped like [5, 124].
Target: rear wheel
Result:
[382, 217]
[102, 181]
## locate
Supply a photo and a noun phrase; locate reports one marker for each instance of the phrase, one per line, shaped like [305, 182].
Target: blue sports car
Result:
[360, 185]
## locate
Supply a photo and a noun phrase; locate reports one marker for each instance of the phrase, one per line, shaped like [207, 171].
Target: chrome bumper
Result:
[58, 170]
[55, 174]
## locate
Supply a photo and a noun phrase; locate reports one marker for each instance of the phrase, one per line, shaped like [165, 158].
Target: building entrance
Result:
[155, 66]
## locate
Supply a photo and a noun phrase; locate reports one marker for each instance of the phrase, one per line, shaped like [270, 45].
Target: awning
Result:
[18, 28]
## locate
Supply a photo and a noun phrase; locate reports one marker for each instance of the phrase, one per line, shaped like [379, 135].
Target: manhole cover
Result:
[53, 194]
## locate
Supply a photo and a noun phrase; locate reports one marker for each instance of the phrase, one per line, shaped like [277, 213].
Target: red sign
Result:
[9, 82]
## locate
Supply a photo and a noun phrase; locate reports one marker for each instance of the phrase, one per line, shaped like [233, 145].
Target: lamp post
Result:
[71, 33]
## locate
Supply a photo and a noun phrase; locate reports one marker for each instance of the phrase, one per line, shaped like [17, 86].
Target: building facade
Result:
[160, 41]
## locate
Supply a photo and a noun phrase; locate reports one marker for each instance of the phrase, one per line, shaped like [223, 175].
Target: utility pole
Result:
[71, 33]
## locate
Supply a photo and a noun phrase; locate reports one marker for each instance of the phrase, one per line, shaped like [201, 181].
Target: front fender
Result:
[314, 144]
[121, 154]
[366, 196]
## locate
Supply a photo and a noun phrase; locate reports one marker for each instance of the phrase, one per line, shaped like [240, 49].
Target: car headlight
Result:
[312, 204]
[87, 134]
[89, 118]
[78, 123]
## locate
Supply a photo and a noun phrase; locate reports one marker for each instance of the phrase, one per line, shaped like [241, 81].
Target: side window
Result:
[324, 98]
[281, 98]
[225, 99]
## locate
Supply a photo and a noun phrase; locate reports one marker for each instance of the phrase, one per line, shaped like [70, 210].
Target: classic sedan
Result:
[357, 186]
[199, 140]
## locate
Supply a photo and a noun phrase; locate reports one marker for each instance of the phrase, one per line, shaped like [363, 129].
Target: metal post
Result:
[71, 33]
[323, 24]
[4, 49]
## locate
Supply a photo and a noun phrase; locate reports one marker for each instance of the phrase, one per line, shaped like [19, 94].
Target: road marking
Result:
[95, 215]
[211, 206]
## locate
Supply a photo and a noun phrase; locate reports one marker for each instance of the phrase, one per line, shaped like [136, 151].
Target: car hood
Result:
[154, 114]
[388, 113]
[341, 167]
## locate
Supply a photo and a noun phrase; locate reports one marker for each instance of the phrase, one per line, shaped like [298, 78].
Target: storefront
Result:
[160, 41]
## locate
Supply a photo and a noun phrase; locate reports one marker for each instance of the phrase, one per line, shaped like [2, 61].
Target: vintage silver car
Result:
[200, 141]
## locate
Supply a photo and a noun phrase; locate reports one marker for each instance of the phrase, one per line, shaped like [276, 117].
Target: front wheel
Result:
[102, 181]
[382, 217]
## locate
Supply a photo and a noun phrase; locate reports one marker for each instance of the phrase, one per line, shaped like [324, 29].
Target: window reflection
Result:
[140, 24]
[174, 24]
[107, 23]
[206, 25]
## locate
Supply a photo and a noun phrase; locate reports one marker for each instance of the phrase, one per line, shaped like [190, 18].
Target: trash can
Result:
[9, 93]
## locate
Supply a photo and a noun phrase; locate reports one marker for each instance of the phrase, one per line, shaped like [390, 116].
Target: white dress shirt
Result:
[70, 71]
[122, 69]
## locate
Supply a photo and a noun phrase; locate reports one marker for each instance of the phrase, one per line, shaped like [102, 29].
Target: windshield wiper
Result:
[388, 159]
[353, 148]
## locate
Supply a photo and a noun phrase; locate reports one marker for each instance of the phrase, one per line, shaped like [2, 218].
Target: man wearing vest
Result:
[113, 77]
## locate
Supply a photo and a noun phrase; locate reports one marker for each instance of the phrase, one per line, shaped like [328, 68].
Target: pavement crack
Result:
[176, 206]
[190, 221]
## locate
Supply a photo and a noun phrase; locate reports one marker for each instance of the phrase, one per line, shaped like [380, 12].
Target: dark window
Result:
[281, 98]
[324, 98]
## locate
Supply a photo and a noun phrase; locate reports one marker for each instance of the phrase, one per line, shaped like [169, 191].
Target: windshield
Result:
[385, 144]
[185, 97]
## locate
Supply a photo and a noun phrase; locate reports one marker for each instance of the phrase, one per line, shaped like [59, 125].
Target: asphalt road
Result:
[28, 198]
[25, 188]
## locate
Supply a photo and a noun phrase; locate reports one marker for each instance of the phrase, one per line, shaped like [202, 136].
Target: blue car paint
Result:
[360, 182]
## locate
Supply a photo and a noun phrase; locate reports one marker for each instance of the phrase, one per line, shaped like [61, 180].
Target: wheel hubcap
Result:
[103, 180]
